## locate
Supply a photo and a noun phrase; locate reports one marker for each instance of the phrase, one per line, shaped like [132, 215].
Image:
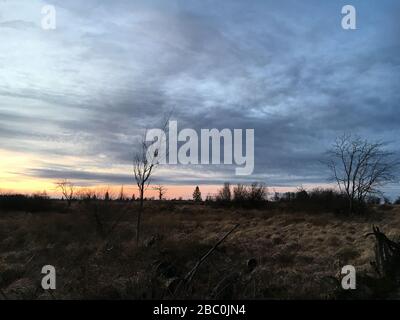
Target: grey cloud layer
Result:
[285, 68]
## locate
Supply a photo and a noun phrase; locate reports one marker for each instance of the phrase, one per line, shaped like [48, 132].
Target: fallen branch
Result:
[387, 255]
[189, 276]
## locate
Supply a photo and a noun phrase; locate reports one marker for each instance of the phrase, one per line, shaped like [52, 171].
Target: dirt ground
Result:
[271, 254]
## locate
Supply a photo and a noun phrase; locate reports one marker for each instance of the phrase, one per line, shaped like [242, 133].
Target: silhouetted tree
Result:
[86, 194]
[145, 162]
[142, 170]
[225, 194]
[258, 192]
[67, 189]
[197, 194]
[360, 168]
[240, 193]
[161, 191]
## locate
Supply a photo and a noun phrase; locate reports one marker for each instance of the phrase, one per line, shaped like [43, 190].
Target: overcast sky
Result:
[72, 100]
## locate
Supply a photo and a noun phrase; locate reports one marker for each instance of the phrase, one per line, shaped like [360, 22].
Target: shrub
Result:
[373, 200]
[251, 196]
[240, 193]
[257, 192]
[224, 194]
[315, 200]
[18, 202]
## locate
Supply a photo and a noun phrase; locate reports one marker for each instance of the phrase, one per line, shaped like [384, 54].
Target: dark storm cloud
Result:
[286, 69]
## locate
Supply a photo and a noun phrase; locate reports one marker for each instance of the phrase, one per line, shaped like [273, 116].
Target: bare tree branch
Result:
[67, 189]
[161, 191]
[144, 165]
[360, 168]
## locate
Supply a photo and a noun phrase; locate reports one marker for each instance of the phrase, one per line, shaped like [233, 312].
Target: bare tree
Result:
[67, 189]
[85, 194]
[142, 170]
[161, 191]
[360, 168]
[224, 194]
[240, 193]
[145, 162]
[258, 192]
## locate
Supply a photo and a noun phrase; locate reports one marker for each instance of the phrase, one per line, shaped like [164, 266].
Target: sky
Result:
[74, 100]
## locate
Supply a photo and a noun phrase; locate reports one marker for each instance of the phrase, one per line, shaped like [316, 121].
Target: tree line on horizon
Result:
[358, 167]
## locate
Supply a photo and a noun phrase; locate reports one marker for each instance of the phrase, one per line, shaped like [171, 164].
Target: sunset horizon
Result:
[14, 183]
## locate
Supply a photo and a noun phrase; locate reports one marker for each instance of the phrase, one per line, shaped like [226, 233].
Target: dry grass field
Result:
[271, 255]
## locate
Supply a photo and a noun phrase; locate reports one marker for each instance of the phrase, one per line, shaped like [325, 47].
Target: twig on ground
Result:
[189, 276]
